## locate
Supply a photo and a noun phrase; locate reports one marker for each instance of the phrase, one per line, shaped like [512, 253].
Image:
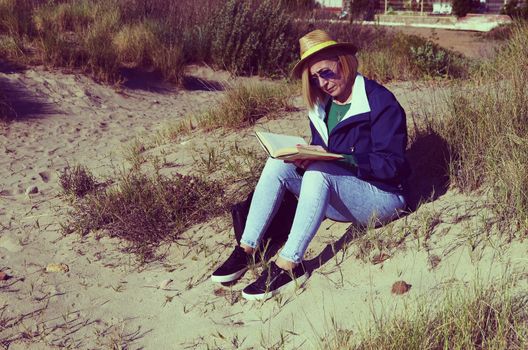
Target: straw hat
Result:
[319, 41]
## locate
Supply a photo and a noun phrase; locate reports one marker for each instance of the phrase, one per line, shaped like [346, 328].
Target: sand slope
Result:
[105, 299]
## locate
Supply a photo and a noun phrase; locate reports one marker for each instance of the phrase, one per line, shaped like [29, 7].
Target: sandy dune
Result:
[105, 299]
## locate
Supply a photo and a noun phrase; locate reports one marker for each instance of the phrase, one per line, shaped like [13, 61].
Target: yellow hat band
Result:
[317, 47]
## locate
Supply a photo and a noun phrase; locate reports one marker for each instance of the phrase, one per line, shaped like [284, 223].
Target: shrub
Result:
[134, 42]
[430, 59]
[486, 129]
[517, 9]
[170, 62]
[246, 37]
[147, 210]
[10, 47]
[363, 9]
[405, 57]
[252, 37]
[77, 181]
[69, 16]
[462, 7]
[15, 17]
[101, 59]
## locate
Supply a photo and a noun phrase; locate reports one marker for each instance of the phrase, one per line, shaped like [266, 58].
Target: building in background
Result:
[438, 7]
[333, 6]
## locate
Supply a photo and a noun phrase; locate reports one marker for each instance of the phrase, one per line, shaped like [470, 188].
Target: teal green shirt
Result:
[335, 114]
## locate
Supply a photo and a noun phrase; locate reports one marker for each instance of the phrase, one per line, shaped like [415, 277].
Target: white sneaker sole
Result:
[298, 282]
[228, 278]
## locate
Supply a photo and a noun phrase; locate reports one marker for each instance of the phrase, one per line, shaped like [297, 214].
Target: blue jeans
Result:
[325, 190]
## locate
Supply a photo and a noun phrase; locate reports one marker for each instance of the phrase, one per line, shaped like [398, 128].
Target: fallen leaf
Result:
[57, 267]
[379, 258]
[4, 276]
[164, 285]
[400, 287]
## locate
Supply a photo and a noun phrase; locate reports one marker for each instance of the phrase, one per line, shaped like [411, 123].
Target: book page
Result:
[277, 144]
[312, 155]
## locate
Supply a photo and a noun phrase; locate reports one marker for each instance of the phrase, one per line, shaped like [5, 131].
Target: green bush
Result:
[252, 37]
[431, 59]
[517, 9]
[462, 7]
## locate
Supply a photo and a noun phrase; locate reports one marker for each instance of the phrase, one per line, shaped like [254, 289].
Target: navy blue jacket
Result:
[374, 131]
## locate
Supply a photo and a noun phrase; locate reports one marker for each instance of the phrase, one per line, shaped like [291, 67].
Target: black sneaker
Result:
[275, 280]
[235, 266]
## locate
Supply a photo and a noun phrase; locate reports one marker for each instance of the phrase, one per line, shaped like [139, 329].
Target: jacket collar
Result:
[359, 104]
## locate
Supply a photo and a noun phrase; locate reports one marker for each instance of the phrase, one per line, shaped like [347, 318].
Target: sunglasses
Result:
[325, 74]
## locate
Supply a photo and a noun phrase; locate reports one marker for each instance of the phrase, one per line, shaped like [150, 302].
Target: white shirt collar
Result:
[358, 104]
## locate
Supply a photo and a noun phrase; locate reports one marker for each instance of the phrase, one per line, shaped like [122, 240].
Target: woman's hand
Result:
[304, 163]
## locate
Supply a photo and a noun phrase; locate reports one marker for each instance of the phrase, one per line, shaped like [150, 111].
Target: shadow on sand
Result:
[197, 84]
[429, 160]
[140, 79]
[11, 67]
[19, 103]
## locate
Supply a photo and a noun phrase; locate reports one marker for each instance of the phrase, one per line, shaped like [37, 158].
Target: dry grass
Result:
[143, 210]
[486, 130]
[493, 318]
[242, 105]
[100, 37]
[77, 181]
[246, 103]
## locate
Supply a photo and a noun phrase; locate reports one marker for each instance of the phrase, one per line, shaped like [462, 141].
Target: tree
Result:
[516, 9]
[463, 7]
[361, 9]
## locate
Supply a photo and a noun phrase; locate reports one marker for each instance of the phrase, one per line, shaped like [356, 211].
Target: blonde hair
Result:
[313, 95]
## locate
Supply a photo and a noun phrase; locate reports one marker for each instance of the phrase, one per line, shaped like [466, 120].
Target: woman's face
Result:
[327, 75]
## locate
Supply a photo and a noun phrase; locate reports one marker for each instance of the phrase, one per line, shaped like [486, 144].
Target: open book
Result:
[285, 147]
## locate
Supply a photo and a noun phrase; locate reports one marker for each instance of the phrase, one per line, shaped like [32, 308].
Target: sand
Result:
[106, 299]
[470, 44]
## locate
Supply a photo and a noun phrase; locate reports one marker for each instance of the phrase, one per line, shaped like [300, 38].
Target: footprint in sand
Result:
[6, 193]
[45, 176]
[10, 243]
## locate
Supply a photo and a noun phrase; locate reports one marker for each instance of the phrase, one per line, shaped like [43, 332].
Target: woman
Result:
[349, 115]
